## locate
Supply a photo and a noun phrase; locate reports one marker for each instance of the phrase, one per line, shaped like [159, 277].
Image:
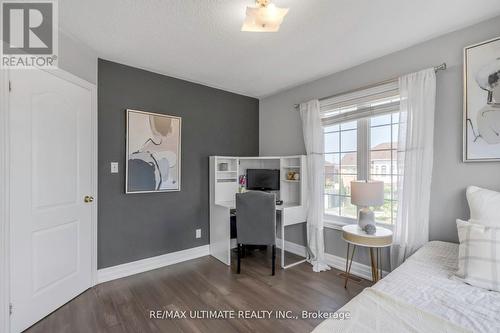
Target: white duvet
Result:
[374, 311]
[425, 282]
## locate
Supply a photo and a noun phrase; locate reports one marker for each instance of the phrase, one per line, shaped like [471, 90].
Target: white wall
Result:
[281, 132]
[77, 58]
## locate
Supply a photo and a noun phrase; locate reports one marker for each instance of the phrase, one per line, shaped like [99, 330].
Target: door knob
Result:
[88, 199]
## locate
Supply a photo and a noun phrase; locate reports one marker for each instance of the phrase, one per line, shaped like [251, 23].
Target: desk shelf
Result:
[227, 176]
[226, 180]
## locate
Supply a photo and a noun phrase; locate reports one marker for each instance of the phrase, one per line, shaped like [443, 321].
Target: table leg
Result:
[380, 262]
[282, 243]
[372, 261]
[348, 267]
[376, 263]
[347, 257]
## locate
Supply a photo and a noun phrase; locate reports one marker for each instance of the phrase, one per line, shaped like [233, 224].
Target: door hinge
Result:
[10, 86]
[11, 308]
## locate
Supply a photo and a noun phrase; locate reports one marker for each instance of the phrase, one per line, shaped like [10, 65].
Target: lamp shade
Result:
[367, 193]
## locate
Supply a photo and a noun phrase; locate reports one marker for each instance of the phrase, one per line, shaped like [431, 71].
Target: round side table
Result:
[354, 236]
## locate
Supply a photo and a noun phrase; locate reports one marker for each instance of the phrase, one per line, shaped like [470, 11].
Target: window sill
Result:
[336, 223]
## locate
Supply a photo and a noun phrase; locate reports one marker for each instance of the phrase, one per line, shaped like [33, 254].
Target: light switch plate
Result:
[114, 167]
[198, 233]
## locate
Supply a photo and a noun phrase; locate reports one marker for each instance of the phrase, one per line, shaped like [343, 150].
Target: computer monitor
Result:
[263, 179]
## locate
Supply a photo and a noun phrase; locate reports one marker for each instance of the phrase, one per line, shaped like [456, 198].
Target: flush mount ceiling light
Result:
[264, 17]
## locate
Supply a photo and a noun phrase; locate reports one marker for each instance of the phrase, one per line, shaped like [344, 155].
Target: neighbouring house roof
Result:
[379, 152]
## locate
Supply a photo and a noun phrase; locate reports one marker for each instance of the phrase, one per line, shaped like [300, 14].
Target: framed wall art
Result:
[482, 101]
[153, 162]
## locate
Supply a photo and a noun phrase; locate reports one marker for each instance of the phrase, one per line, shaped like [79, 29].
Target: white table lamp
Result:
[364, 194]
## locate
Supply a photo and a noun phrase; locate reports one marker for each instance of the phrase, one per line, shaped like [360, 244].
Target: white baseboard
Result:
[357, 269]
[294, 248]
[139, 266]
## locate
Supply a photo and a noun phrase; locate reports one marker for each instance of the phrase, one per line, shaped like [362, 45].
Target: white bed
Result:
[421, 296]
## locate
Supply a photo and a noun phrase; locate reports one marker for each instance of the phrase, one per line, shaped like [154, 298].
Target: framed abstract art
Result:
[482, 101]
[153, 162]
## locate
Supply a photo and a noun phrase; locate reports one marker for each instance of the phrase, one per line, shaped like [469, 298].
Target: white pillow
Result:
[484, 205]
[479, 255]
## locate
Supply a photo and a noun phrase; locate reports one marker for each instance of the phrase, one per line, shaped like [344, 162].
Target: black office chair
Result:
[256, 222]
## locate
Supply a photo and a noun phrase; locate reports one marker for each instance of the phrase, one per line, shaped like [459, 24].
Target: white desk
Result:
[291, 214]
[224, 186]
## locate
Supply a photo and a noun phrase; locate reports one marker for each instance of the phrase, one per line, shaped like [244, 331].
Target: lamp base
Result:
[365, 217]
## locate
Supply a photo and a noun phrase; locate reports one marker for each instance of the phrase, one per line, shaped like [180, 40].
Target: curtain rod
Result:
[441, 67]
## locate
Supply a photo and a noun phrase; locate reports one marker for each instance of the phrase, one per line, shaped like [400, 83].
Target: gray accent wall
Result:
[281, 132]
[214, 122]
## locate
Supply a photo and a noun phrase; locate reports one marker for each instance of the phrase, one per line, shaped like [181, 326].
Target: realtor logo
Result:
[29, 34]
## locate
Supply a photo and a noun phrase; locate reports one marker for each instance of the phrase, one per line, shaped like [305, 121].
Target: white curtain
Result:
[415, 158]
[313, 139]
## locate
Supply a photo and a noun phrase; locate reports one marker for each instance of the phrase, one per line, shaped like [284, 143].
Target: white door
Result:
[50, 174]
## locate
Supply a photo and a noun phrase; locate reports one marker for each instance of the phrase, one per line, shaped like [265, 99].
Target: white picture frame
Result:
[481, 109]
[153, 152]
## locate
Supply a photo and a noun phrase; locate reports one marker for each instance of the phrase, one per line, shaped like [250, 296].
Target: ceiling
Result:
[201, 41]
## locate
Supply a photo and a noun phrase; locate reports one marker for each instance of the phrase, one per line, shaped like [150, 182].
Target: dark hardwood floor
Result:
[124, 305]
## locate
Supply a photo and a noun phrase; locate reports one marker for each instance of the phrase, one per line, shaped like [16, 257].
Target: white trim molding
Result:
[144, 265]
[294, 248]
[337, 224]
[4, 203]
[357, 269]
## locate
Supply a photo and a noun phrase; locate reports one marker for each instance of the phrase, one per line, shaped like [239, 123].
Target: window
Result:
[341, 167]
[361, 133]
[383, 160]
